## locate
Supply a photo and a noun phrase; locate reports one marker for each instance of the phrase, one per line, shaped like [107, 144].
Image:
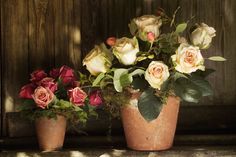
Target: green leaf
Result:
[203, 85]
[203, 74]
[125, 80]
[178, 75]
[133, 27]
[98, 79]
[139, 83]
[181, 27]
[137, 72]
[116, 81]
[217, 58]
[77, 108]
[187, 90]
[149, 105]
[64, 104]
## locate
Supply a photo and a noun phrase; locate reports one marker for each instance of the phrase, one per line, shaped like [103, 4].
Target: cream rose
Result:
[188, 59]
[202, 36]
[125, 50]
[145, 25]
[98, 60]
[157, 73]
[42, 96]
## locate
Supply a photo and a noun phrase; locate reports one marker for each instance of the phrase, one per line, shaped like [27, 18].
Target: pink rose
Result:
[54, 73]
[49, 83]
[67, 74]
[77, 96]
[150, 36]
[111, 41]
[42, 96]
[37, 75]
[27, 91]
[95, 98]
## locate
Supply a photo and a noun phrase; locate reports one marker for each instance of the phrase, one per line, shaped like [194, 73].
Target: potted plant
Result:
[52, 99]
[145, 76]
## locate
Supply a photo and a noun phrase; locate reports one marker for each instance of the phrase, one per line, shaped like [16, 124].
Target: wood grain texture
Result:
[228, 49]
[1, 57]
[41, 34]
[15, 51]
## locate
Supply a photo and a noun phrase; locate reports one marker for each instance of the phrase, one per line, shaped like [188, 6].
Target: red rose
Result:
[67, 74]
[42, 96]
[111, 41]
[54, 73]
[27, 91]
[49, 83]
[95, 98]
[77, 96]
[37, 75]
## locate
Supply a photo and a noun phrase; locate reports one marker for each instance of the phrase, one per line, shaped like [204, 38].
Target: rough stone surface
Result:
[180, 151]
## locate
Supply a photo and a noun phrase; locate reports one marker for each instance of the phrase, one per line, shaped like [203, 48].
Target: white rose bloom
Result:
[157, 73]
[202, 36]
[146, 24]
[125, 50]
[98, 61]
[188, 59]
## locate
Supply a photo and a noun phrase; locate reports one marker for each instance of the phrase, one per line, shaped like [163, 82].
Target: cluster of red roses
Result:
[43, 88]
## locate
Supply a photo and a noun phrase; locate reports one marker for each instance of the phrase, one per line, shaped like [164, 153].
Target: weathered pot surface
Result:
[150, 136]
[50, 132]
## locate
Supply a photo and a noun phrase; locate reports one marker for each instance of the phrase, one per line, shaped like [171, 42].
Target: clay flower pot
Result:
[150, 136]
[50, 132]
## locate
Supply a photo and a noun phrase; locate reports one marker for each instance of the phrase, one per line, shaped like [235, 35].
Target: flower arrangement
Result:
[154, 64]
[59, 92]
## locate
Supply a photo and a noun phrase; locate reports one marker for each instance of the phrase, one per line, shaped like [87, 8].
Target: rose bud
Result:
[95, 98]
[27, 91]
[54, 73]
[37, 75]
[150, 36]
[67, 75]
[111, 41]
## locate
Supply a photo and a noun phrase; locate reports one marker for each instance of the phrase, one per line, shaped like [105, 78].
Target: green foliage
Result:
[217, 58]
[149, 105]
[181, 27]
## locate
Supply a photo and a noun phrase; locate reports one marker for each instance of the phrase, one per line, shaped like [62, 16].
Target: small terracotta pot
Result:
[50, 132]
[150, 136]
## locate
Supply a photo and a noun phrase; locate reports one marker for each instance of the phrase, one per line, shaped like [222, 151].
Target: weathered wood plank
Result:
[228, 49]
[15, 48]
[41, 39]
[75, 36]
[90, 29]
[63, 19]
[1, 58]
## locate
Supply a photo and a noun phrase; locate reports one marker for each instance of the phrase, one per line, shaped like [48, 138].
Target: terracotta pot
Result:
[50, 132]
[149, 136]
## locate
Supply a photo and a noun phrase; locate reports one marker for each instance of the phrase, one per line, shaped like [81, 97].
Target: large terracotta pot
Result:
[150, 136]
[50, 132]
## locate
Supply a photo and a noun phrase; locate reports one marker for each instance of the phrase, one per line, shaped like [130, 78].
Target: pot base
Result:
[50, 133]
[150, 136]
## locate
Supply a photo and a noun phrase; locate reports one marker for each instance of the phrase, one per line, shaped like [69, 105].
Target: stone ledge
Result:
[178, 151]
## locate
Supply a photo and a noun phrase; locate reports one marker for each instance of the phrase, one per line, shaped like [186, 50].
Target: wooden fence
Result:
[49, 33]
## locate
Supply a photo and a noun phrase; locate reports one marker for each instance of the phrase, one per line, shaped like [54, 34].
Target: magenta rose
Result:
[95, 98]
[42, 96]
[49, 83]
[54, 73]
[27, 91]
[77, 96]
[66, 74]
[37, 75]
